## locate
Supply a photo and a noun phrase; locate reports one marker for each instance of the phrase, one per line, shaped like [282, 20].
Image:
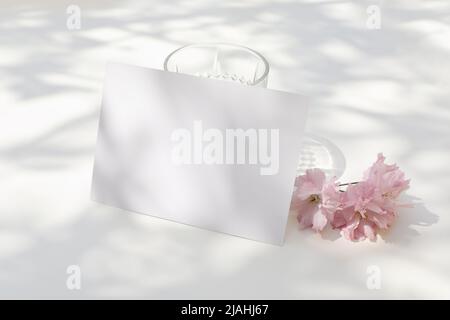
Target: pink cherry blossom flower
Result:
[358, 228]
[361, 216]
[389, 182]
[313, 199]
[387, 178]
[332, 198]
[371, 205]
[360, 211]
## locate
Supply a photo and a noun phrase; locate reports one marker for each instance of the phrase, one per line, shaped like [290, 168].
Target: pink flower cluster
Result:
[360, 211]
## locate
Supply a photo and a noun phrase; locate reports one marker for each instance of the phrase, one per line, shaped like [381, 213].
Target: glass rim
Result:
[236, 46]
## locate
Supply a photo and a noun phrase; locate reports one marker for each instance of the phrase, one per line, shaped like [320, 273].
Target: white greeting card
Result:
[207, 153]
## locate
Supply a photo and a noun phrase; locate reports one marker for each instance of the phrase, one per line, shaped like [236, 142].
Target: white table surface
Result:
[373, 90]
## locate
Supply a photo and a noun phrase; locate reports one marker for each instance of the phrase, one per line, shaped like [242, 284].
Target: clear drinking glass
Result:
[246, 66]
[220, 61]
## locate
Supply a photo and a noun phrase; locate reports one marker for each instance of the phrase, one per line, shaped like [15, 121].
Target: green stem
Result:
[347, 184]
